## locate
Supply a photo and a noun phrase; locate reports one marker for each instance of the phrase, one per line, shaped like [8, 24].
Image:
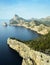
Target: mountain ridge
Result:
[45, 21]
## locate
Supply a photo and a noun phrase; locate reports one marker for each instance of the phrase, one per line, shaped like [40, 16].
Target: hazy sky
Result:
[24, 8]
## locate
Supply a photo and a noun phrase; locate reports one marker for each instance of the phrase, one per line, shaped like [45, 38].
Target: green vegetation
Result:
[40, 44]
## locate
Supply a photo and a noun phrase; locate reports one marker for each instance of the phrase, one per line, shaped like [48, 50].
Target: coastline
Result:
[35, 28]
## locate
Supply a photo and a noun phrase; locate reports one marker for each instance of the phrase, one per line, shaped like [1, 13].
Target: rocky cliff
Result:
[30, 57]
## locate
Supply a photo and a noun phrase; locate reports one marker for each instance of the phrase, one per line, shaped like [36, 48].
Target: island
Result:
[4, 24]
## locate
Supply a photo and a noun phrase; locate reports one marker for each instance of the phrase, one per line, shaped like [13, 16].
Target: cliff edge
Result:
[30, 57]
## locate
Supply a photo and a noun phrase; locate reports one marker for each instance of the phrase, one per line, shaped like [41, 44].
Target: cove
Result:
[7, 55]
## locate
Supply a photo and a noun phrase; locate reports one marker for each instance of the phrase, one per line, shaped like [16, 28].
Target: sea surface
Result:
[7, 55]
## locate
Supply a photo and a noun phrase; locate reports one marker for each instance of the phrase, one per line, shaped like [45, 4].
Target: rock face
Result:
[30, 57]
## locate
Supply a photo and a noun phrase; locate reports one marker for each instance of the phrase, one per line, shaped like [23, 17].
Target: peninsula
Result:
[30, 57]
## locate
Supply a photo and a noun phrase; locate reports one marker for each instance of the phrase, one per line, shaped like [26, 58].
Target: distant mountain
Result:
[16, 19]
[45, 21]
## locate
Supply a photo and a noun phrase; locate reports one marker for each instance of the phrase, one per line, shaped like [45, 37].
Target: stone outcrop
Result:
[30, 57]
[4, 24]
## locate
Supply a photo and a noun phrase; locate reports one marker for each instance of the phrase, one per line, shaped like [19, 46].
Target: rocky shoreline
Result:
[36, 28]
[30, 57]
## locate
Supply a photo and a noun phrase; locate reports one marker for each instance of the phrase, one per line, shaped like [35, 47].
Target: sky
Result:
[24, 8]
